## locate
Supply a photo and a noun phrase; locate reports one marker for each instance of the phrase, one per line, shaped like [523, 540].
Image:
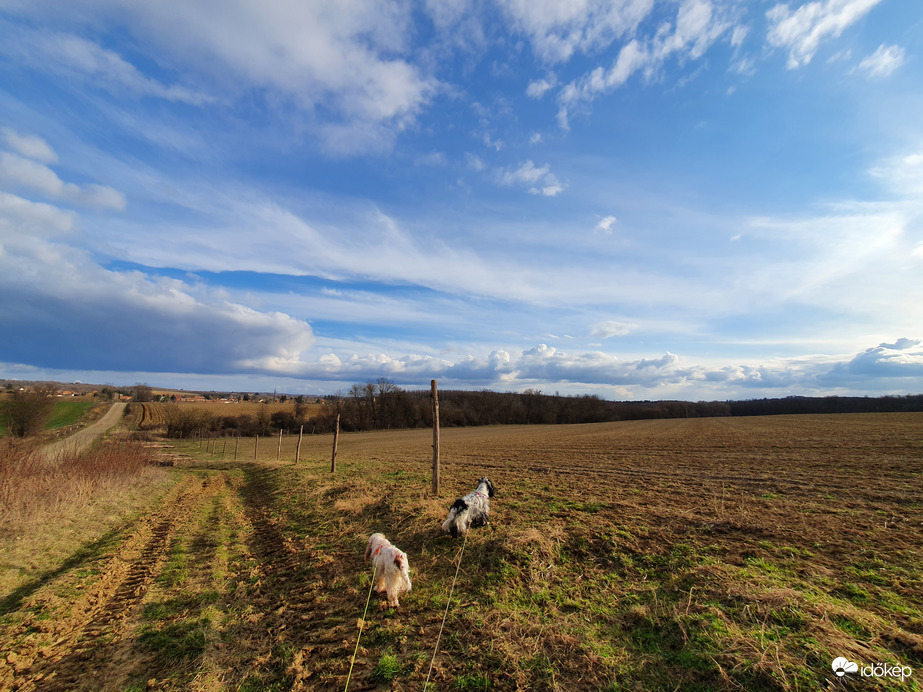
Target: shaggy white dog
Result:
[471, 510]
[392, 570]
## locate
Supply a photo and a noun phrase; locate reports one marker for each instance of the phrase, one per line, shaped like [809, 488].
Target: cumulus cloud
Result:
[801, 31]
[883, 62]
[900, 360]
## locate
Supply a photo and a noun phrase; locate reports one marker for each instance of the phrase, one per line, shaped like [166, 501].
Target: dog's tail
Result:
[458, 516]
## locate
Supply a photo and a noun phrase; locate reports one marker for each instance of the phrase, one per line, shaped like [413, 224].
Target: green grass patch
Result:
[387, 668]
[67, 413]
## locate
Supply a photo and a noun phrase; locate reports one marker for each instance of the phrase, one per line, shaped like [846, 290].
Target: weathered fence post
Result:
[298, 447]
[435, 396]
[224, 448]
[336, 435]
[256, 447]
[279, 452]
[236, 446]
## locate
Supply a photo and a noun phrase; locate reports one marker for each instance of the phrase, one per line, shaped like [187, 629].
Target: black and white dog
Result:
[472, 510]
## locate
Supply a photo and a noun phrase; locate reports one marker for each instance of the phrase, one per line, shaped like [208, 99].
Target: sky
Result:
[636, 199]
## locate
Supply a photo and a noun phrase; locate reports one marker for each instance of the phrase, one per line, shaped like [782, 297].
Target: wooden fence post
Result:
[256, 447]
[236, 446]
[224, 448]
[435, 396]
[298, 447]
[336, 435]
[279, 451]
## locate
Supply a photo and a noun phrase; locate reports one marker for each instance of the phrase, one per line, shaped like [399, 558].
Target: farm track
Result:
[88, 646]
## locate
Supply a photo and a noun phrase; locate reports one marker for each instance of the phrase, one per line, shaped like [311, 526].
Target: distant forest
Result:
[383, 405]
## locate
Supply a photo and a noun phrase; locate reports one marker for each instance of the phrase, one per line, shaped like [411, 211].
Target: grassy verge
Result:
[67, 413]
[54, 512]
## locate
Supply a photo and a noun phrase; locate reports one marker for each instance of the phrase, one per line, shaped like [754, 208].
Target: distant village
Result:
[147, 393]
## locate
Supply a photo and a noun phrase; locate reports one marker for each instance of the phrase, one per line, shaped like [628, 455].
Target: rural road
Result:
[82, 439]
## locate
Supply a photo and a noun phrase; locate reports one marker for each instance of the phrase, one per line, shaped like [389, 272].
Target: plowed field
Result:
[734, 553]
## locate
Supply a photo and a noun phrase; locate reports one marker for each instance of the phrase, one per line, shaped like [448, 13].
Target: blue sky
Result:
[640, 199]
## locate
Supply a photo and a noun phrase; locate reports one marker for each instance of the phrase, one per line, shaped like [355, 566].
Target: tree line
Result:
[382, 405]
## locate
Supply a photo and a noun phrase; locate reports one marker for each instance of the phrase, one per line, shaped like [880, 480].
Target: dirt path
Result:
[82, 439]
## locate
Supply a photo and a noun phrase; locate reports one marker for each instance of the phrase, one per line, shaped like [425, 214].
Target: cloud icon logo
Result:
[841, 666]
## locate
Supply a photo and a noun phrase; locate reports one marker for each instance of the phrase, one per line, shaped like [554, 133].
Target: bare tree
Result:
[25, 412]
[142, 392]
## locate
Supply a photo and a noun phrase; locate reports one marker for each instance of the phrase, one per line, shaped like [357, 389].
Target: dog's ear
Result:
[399, 561]
[490, 488]
[368, 550]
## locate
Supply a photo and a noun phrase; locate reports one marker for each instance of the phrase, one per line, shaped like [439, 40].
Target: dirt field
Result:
[732, 553]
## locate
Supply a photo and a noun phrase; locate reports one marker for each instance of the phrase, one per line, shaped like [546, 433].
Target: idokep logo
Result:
[841, 666]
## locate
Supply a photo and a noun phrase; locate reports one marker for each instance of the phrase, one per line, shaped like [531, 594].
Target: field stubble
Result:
[735, 553]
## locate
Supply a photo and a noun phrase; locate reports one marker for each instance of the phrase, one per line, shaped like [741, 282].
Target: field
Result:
[153, 414]
[709, 554]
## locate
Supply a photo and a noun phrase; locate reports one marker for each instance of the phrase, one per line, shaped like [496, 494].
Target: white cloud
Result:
[79, 58]
[541, 180]
[526, 173]
[474, 162]
[903, 174]
[19, 217]
[697, 27]
[23, 172]
[540, 87]
[558, 29]
[606, 330]
[434, 158]
[801, 31]
[347, 66]
[882, 62]
[605, 224]
[29, 146]
[738, 35]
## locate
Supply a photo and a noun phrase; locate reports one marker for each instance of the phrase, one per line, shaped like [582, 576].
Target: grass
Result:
[67, 413]
[54, 512]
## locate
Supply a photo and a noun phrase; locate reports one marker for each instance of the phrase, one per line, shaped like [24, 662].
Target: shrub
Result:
[25, 413]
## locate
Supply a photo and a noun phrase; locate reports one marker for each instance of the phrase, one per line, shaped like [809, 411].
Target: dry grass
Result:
[48, 509]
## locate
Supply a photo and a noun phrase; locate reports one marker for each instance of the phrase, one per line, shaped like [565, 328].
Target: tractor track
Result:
[82, 649]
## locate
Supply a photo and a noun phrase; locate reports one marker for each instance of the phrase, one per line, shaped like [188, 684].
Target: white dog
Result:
[392, 570]
[471, 510]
